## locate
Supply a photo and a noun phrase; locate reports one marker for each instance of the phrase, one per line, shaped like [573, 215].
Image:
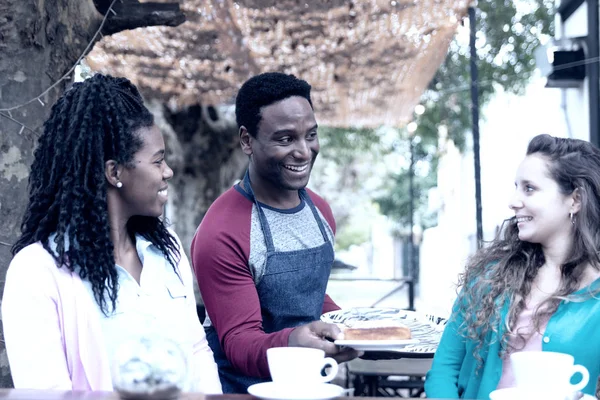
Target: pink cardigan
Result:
[53, 335]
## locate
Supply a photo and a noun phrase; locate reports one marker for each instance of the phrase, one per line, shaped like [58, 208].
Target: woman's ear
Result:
[576, 195]
[112, 172]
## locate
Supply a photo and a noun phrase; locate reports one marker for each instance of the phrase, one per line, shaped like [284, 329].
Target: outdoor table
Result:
[23, 394]
[372, 371]
[375, 377]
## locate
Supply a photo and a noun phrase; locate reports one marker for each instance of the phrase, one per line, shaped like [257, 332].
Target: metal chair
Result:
[403, 377]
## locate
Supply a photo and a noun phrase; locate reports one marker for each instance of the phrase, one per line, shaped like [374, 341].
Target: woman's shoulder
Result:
[32, 261]
[33, 254]
[143, 242]
[175, 236]
[481, 270]
[477, 282]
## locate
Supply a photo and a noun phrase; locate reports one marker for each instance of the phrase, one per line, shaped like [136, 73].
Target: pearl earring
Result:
[119, 185]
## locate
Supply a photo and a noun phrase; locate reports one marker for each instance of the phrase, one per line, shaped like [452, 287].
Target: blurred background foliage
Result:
[506, 62]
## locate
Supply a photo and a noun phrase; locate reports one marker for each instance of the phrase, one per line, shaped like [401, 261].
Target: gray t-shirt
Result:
[291, 229]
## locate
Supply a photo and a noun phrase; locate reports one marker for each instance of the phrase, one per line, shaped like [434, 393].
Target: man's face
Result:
[286, 144]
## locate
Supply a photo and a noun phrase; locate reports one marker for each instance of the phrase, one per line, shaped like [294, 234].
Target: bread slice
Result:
[371, 332]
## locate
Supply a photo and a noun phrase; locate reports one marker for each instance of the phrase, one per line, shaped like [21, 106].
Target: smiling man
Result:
[264, 250]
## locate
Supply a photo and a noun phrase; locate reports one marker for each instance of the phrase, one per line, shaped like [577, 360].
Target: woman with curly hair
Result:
[536, 286]
[95, 266]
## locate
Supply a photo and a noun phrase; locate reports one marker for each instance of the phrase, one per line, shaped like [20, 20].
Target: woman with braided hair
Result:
[95, 266]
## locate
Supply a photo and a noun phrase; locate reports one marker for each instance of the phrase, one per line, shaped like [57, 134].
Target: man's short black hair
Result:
[263, 90]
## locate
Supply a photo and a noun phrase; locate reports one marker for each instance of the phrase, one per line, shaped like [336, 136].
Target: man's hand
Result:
[320, 335]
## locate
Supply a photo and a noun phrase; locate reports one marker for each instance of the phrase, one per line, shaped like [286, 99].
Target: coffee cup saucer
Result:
[274, 391]
[515, 393]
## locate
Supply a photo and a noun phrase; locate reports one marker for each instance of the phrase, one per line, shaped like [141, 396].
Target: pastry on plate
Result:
[376, 330]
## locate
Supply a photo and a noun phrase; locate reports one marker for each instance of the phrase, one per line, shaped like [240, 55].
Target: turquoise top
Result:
[573, 329]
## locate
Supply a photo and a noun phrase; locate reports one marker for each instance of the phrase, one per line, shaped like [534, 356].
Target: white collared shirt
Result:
[161, 305]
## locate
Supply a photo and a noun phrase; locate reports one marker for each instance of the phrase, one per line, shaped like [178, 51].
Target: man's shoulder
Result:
[230, 212]
[230, 204]
[323, 206]
[320, 202]
[224, 232]
[317, 199]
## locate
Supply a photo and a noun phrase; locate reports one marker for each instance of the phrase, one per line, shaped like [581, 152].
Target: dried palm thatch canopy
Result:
[367, 60]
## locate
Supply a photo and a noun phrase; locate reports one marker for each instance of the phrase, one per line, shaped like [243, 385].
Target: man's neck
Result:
[272, 196]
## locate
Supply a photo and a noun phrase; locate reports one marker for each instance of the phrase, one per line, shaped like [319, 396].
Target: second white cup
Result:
[300, 365]
[544, 369]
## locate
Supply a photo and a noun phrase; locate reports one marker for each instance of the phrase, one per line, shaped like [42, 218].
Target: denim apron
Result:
[291, 292]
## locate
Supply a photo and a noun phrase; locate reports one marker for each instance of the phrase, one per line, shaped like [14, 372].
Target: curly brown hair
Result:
[501, 274]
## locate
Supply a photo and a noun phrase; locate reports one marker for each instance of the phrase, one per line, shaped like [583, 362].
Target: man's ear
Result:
[246, 140]
[112, 172]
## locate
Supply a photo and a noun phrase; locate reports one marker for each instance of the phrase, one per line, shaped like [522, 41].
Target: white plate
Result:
[514, 393]
[273, 391]
[376, 345]
[426, 328]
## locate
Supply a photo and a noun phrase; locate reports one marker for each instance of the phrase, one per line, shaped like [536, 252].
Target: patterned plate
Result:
[426, 328]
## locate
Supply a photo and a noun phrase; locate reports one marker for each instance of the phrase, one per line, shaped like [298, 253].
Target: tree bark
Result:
[204, 152]
[40, 40]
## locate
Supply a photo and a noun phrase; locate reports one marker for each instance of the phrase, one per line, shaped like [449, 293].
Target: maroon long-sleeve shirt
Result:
[221, 252]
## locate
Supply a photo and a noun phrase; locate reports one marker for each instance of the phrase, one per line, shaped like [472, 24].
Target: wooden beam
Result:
[132, 14]
[568, 7]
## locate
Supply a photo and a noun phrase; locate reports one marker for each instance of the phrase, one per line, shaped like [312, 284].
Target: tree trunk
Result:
[203, 149]
[204, 152]
[39, 42]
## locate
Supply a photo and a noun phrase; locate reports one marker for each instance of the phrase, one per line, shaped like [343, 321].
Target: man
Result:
[264, 249]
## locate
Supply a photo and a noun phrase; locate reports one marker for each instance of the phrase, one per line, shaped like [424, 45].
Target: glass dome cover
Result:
[149, 368]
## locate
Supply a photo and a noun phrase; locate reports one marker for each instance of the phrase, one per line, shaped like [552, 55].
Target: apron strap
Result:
[263, 218]
[261, 215]
[313, 208]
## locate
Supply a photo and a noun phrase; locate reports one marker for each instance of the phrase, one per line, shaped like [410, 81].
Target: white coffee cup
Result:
[515, 393]
[547, 371]
[299, 365]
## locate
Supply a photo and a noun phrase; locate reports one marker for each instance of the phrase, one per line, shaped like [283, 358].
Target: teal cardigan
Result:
[574, 329]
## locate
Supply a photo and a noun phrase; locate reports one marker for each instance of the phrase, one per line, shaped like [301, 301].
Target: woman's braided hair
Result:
[94, 121]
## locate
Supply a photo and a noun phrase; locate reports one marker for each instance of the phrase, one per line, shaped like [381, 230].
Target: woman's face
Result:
[542, 211]
[144, 190]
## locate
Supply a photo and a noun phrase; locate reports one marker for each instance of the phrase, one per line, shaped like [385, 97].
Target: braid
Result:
[93, 122]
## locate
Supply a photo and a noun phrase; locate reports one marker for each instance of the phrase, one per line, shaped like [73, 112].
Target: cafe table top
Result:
[26, 394]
